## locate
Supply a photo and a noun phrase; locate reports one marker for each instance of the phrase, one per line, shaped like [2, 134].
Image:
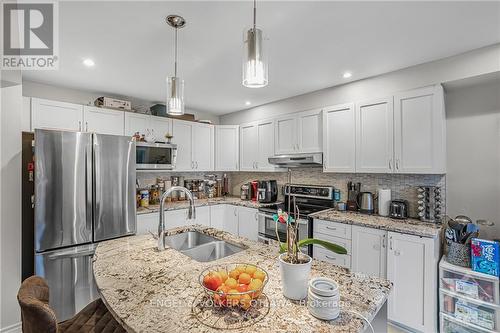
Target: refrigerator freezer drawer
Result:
[71, 280]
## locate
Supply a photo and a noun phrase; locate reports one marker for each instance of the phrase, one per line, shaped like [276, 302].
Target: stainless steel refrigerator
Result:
[84, 193]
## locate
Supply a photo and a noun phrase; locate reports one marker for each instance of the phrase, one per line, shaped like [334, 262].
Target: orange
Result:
[223, 275]
[250, 270]
[242, 288]
[231, 283]
[259, 275]
[244, 278]
[234, 274]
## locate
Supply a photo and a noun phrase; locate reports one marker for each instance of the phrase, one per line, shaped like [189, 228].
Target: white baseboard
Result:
[16, 328]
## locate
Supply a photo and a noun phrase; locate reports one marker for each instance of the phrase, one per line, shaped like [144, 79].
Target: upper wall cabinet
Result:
[142, 123]
[256, 146]
[195, 146]
[298, 133]
[56, 115]
[420, 131]
[339, 139]
[374, 136]
[103, 121]
[227, 148]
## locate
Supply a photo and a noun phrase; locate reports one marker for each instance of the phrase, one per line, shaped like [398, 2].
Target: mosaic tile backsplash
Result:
[403, 186]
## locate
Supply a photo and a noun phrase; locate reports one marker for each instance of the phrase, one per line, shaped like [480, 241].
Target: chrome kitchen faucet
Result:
[161, 223]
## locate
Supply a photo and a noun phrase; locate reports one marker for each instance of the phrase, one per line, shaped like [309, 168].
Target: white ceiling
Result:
[310, 45]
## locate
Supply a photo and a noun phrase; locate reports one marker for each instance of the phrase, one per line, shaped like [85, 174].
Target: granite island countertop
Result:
[174, 205]
[151, 291]
[405, 226]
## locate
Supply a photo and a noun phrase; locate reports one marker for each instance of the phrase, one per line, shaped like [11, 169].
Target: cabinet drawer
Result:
[346, 243]
[343, 260]
[332, 229]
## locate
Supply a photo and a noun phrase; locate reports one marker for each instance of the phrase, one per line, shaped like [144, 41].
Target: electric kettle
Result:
[365, 203]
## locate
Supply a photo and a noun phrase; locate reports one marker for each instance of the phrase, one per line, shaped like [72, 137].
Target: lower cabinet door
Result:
[230, 221]
[412, 268]
[217, 214]
[320, 253]
[147, 223]
[248, 224]
[369, 251]
[202, 216]
[176, 218]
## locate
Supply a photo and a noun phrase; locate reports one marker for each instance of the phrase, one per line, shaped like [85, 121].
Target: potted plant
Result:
[295, 266]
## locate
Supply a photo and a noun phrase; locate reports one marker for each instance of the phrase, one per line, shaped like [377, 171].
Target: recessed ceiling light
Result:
[347, 75]
[88, 62]
[248, 103]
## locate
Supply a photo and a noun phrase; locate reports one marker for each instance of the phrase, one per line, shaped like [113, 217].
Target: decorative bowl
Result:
[233, 285]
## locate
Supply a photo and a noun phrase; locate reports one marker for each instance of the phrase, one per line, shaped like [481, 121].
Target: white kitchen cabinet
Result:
[26, 115]
[203, 147]
[369, 251]
[339, 139]
[176, 218]
[256, 146]
[420, 131]
[299, 132]
[248, 147]
[56, 115]
[230, 222]
[412, 268]
[202, 216]
[195, 146]
[160, 126]
[147, 223]
[285, 135]
[265, 138]
[217, 215]
[136, 122]
[103, 121]
[374, 136]
[248, 223]
[337, 233]
[227, 148]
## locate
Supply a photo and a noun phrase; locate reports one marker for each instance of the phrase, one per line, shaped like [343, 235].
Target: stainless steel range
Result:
[308, 198]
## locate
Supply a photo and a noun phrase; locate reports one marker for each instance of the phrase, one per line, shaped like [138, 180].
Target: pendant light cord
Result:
[175, 61]
[254, 14]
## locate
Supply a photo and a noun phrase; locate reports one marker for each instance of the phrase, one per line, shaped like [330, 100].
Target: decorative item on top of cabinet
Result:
[227, 147]
[299, 132]
[339, 139]
[160, 127]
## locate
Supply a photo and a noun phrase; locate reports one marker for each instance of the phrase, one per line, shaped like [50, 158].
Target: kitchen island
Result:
[151, 291]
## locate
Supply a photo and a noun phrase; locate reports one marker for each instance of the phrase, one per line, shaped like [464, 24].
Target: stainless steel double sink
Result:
[201, 247]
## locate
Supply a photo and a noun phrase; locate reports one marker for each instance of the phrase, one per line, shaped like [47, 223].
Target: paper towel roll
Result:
[384, 199]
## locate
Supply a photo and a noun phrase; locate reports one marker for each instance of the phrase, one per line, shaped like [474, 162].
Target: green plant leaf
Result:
[327, 245]
[283, 247]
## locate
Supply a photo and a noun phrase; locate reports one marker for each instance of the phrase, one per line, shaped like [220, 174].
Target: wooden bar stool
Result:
[38, 317]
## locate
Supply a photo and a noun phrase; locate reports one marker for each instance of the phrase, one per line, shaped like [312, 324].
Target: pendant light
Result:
[254, 62]
[175, 85]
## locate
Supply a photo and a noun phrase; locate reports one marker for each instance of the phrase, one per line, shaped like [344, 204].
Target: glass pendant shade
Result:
[175, 96]
[254, 62]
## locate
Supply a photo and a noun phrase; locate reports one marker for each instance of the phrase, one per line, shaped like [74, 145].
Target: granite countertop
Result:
[406, 226]
[173, 205]
[151, 291]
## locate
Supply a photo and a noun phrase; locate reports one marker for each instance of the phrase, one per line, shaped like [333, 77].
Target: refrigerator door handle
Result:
[88, 185]
[71, 255]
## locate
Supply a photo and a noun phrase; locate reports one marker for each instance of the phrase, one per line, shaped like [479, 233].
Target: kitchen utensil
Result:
[365, 202]
[398, 209]
[352, 195]
[384, 200]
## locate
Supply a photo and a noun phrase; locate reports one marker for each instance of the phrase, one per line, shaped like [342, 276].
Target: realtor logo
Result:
[30, 35]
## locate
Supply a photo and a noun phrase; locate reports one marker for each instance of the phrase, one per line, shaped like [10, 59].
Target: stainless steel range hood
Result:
[297, 160]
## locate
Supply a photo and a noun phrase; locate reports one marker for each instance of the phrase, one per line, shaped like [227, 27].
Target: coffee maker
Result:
[353, 190]
[268, 191]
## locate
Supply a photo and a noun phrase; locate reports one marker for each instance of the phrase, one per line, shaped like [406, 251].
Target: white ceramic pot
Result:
[295, 277]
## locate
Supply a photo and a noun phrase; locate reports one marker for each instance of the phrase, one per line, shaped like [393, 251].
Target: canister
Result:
[144, 198]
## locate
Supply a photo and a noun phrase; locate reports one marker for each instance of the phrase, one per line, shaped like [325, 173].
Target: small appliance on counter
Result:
[245, 192]
[352, 195]
[384, 201]
[365, 203]
[254, 190]
[398, 209]
[268, 191]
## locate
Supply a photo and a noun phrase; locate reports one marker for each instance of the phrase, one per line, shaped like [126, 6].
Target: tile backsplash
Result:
[403, 186]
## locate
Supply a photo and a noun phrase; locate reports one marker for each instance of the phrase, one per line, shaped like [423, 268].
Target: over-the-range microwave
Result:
[155, 156]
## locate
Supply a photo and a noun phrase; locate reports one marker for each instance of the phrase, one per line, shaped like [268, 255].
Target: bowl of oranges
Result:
[234, 285]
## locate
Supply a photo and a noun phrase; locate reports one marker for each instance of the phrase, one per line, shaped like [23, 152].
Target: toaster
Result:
[398, 209]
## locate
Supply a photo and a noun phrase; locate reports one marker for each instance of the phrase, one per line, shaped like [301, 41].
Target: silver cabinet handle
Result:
[196, 165]
[383, 242]
[86, 126]
[256, 165]
[192, 164]
[331, 228]
[79, 125]
[397, 164]
[390, 164]
[331, 258]
[390, 243]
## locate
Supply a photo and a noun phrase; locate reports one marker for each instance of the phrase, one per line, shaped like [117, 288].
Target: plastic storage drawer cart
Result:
[469, 301]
